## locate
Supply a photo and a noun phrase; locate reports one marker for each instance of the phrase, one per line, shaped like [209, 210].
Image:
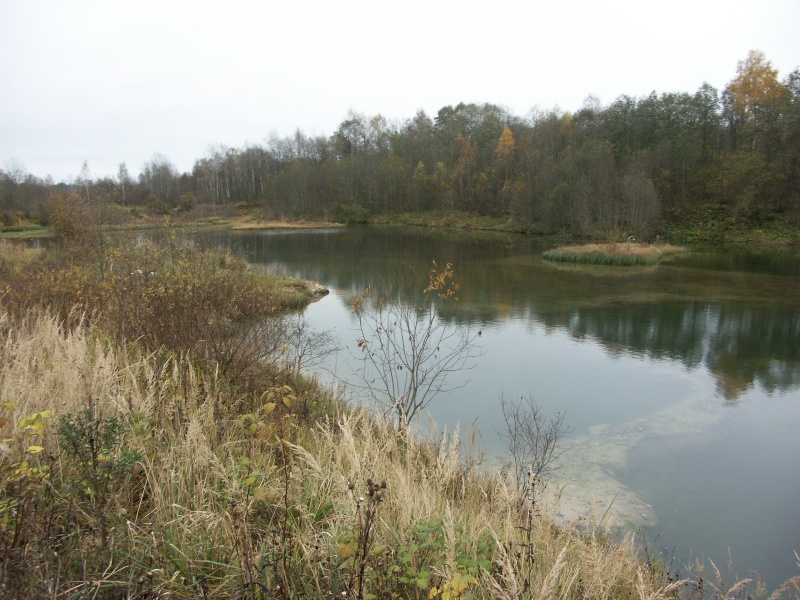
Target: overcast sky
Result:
[110, 82]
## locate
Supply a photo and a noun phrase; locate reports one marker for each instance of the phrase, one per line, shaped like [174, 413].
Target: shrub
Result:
[208, 304]
[351, 214]
[186, 202]
[72, 220]
[157, 206]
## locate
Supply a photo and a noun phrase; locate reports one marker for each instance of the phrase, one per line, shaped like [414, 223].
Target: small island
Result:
[621, 254]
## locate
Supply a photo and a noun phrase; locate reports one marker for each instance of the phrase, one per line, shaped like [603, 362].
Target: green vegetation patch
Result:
[616, 254]
[19, 228]
[23, 231]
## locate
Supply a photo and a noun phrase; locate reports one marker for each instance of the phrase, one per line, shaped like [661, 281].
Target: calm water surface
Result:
[681, 382]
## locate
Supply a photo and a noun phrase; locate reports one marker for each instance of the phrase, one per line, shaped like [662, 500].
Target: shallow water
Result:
[681, 382]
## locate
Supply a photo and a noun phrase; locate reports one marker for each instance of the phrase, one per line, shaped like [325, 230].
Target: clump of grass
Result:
[16, 253]
[616, 254]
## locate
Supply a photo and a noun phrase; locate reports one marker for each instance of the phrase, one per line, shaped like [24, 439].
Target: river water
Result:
[681, 382]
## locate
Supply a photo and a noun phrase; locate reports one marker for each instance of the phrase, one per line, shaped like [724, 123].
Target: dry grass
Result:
[16, 252]
[209, 304]
[214, 507]
[613, 253]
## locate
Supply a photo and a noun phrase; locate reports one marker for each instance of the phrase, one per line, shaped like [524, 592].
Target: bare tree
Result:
[532, 439]
[123, 178]
[408, 351]
[160, 177]
[85, 179]
[305, 347]
[15, 170]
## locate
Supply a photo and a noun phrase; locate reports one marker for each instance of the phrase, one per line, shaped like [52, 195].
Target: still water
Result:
[681, 382]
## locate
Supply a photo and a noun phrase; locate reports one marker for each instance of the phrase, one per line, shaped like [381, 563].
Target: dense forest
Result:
[640, 165]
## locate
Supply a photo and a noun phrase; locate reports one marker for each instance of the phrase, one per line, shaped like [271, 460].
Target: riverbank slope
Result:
[146, 452]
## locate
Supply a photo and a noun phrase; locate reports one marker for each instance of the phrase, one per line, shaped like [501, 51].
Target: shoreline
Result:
[240, 217]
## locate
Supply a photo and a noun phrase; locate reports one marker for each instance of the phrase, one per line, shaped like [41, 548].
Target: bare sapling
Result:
[532, 439]
[305, 347]
[409, 351]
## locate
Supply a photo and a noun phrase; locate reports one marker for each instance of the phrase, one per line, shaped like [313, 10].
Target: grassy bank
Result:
[245, 217]
[153, 448]
[22, 232]
[450, 220]
[703, 229]
[117, 217]
[612, 253]
[206, 491]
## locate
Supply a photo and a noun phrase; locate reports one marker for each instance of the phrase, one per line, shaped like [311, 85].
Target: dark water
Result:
[681, 382]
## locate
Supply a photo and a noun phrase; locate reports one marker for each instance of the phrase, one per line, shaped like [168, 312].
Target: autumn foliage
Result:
[707, 164]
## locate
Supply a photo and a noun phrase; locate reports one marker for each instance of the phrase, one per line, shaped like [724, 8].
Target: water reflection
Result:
[740, 345]
[712, 309]
[680, 381]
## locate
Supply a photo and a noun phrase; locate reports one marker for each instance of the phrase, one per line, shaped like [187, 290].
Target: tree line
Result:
[637, 165]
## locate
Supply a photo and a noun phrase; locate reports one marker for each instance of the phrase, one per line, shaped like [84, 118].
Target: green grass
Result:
[19, 228]
[24, 231]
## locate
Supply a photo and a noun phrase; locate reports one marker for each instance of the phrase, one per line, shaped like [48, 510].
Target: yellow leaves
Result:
[442, 283]
[756, 83]
[456, 589]
[36, 421]
[20, 449]
[32, 425]
[378, 550]
[261, 493]
[505, 146]
[346, 549]
[347, 545]
[567, 128]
